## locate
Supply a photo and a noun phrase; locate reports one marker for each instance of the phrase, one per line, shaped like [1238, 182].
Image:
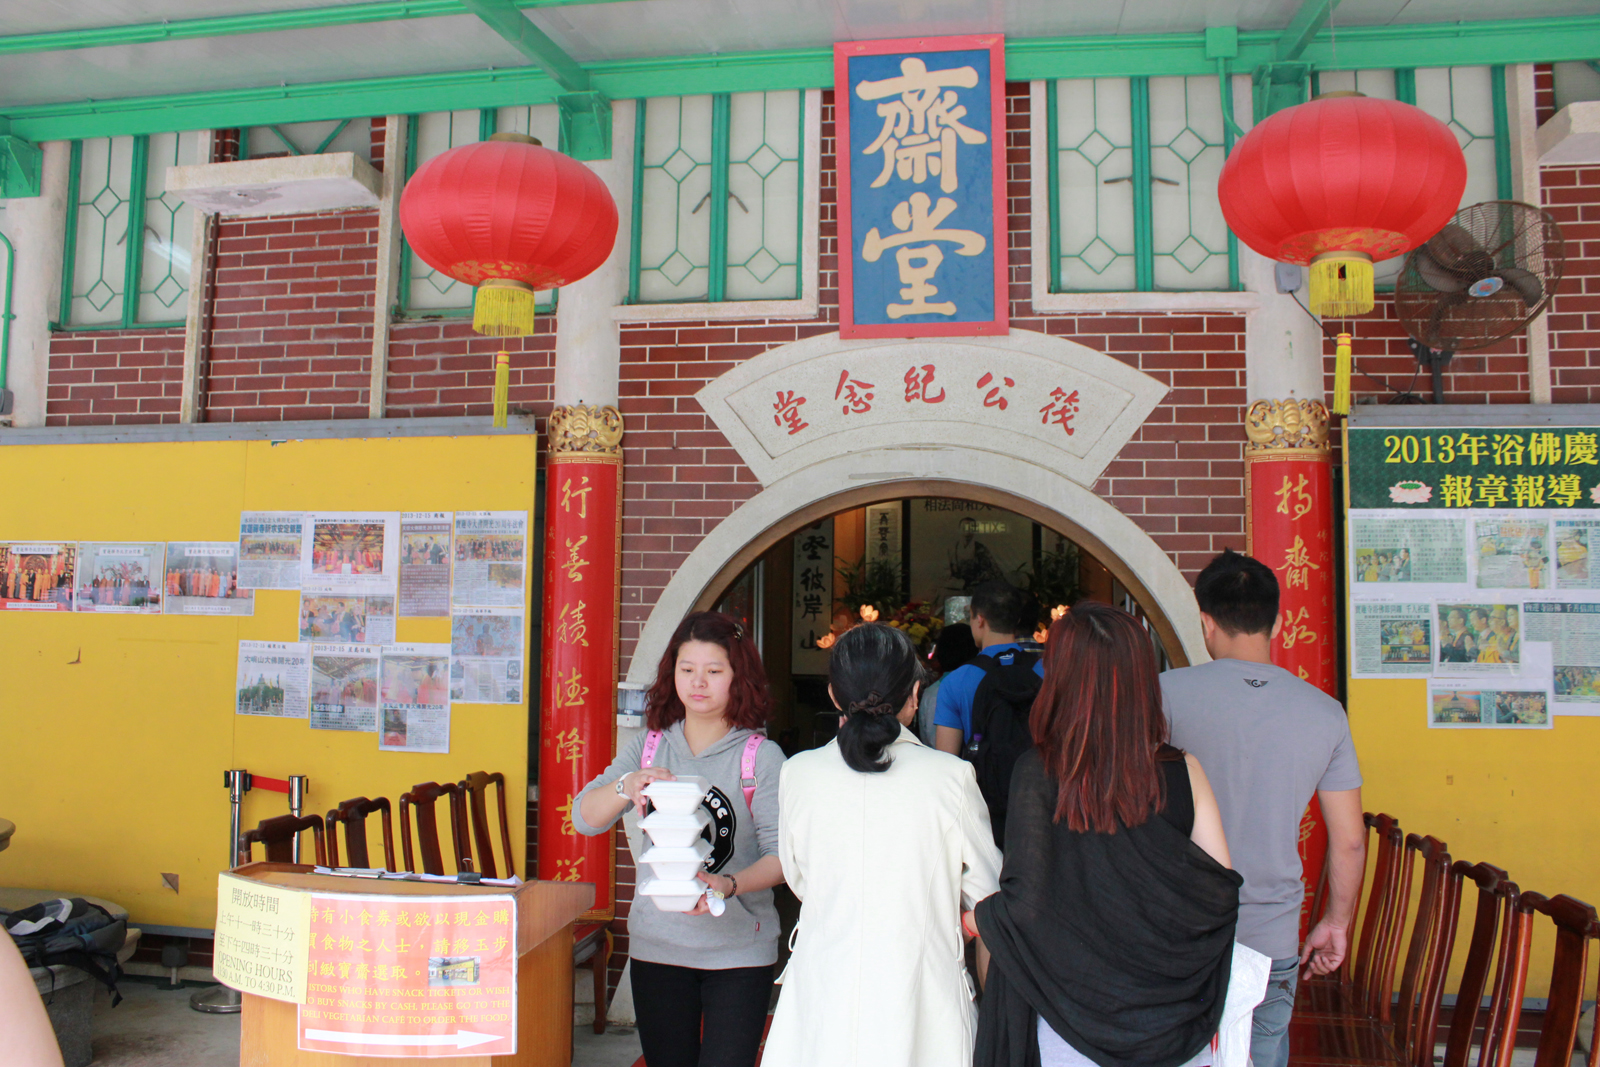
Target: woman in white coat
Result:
[887, 843]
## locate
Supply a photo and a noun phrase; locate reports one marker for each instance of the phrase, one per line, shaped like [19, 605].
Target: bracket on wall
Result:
[20, 165]
[585, 125]
[1279, 85]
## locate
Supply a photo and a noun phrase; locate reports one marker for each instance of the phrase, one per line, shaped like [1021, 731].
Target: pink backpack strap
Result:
[652, 741]
[747, 770]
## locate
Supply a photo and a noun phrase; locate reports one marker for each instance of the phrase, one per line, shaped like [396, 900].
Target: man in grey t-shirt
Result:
[1268, 741]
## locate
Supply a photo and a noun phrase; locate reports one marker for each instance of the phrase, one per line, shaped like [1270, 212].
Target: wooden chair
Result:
[1493, 925]
[277, 835]
[352, 814]
[422, 799]
[476, 786]
[1343, 991]
[591, 944]
[1375, 992]
[1428, 955]
[1576, 924]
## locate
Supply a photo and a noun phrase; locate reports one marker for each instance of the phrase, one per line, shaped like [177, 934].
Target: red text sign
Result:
[411, 976]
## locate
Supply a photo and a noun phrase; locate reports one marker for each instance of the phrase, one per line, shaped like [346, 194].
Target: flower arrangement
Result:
[918, 622]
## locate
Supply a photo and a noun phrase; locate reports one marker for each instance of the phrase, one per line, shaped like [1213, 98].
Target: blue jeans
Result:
[1269, 1031]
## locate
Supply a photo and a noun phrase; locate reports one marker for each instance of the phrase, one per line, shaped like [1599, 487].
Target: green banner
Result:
[1481, 468]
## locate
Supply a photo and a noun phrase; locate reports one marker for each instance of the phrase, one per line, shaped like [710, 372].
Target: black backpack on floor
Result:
[1000, 734]
[72, 932]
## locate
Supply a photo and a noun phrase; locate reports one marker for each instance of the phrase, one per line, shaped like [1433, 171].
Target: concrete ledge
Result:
[286, 185]
[1572, 137]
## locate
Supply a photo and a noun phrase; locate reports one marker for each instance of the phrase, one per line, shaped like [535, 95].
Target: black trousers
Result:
[694, 1018]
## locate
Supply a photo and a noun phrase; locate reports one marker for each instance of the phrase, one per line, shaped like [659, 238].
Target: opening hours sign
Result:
[921, 135]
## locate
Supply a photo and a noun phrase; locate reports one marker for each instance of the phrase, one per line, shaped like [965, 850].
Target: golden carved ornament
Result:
[582, 430]
[1300, 425]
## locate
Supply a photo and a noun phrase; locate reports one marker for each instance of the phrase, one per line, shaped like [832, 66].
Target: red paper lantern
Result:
[510, 216]
[1338, 182]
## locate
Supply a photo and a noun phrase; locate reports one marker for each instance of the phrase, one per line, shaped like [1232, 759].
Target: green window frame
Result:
[1138, 152]
[149, 268]
[490, 121]
[739, 156]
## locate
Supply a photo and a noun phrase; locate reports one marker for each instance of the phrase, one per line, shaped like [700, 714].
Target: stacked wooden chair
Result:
[1353, 1018]
[472, 847]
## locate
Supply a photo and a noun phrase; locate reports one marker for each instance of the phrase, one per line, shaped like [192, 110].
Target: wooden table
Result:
[7, 828]
[545, 913]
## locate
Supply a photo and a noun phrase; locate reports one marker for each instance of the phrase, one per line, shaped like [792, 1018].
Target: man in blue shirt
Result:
[999, 616]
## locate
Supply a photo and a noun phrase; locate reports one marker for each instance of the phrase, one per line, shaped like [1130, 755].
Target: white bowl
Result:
[683, 795]
[673, 896]
[677, 864]
[671, 829]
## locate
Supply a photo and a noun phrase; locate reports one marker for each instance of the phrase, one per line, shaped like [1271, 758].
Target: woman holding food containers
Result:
[703, 934]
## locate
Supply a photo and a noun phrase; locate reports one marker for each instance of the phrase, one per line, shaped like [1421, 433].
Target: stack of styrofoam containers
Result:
[677, 851]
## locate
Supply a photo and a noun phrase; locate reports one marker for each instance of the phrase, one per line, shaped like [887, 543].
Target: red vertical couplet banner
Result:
[578, 687]
[1289, 518]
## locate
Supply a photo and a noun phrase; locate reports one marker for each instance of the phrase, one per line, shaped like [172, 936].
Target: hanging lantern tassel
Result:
[503, 308]
[1341, 284]
[1341, 375]
[502, 387]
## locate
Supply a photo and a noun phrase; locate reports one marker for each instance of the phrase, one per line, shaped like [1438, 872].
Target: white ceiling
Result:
[607, 31]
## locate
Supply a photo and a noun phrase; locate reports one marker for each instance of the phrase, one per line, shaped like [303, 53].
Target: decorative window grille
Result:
[127, 243]
[717, 195]
[424, 292]
[1134, 164]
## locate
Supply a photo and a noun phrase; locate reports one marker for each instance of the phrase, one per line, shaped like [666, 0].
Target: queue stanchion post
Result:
[299, 786]
[220, 999]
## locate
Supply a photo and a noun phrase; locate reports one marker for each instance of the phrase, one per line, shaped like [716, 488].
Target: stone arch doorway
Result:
[1011, 482]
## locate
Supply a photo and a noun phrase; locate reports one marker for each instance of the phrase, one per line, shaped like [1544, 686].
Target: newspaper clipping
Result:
[1573, 631]
[350, 620]
[1512, 553]
[1408, 549]
[123, 578]
[1573, 540]
[1519, 708]
[37, 577]
[270, 549]
[415, 699]
[203, 579]
[1477, 638]
[488, 558]
[1392, 640]
[351, 552]
[486, 655]
[425, 564]
[274, 679]
[344, 688]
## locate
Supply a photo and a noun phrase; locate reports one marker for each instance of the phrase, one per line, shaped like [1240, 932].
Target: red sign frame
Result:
[994, 44]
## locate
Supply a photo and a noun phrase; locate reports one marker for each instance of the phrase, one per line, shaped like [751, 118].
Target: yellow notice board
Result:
[119, 727]
[1511, 790]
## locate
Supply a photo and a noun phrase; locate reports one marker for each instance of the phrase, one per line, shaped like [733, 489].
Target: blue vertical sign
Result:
[921, 157]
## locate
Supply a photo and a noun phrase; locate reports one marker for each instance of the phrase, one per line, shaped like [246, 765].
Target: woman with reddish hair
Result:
[702, 981]
[1111, 938]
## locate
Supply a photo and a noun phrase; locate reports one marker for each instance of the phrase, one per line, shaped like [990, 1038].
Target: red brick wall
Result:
[291, 334]
[114, 377]
[1544, 92]
[1181, 477]
[1572, 196]
[440, 367]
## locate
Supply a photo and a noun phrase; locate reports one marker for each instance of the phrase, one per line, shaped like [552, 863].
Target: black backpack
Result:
[72, 932]
[1000, 734]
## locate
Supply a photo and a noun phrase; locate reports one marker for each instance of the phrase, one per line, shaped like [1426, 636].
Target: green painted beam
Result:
[1434, 44]
[1308, 21]
[259, 22]
[503, 18]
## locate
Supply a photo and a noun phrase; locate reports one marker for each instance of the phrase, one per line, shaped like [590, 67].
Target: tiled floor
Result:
[155, 1027]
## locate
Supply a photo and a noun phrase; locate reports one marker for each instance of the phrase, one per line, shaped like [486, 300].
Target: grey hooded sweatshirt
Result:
[746, 935]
